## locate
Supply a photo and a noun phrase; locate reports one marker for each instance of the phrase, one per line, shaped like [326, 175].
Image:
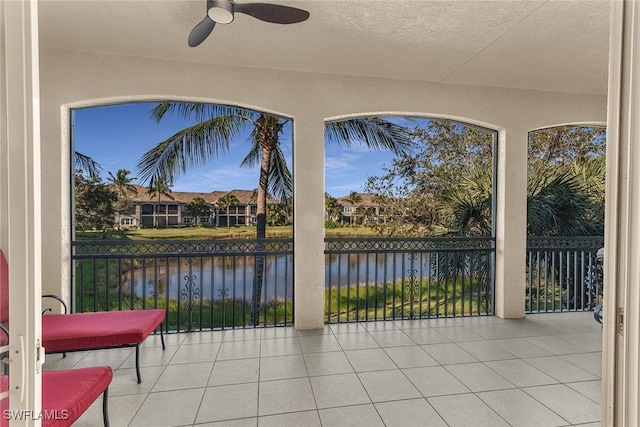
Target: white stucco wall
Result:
[71, 79]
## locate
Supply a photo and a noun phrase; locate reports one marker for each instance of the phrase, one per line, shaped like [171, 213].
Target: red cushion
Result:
[66, 395]
[72, 390]
[79, 331]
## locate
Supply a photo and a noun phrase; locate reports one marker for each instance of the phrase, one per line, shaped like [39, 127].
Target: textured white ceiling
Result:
[557, 45]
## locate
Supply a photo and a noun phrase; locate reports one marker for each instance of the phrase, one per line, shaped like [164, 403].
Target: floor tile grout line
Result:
[523, 389]
[584, 393]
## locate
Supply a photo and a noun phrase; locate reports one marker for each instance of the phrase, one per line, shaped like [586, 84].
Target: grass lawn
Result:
[207, 233]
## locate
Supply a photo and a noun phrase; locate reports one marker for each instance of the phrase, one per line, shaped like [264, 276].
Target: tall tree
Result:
[226, 202]
[446, 187]
[197, 208]
[353, 199]
[331, 208]
[159, 186]
[93, 204]
[413, 188]
[123, 186]
[217, 125]
[279, 212]
[123, 183]
[563, 145]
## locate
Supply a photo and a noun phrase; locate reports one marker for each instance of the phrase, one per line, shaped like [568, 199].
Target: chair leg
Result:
[138, 363]
[162, 337]
[105, 407]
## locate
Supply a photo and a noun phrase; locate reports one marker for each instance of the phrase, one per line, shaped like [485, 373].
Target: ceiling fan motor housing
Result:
[221, 11]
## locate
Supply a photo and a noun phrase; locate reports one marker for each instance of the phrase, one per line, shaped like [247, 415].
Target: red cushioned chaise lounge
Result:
[63, 333]
[66, 394]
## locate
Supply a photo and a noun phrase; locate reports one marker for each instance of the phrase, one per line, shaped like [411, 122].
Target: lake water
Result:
[211, 278]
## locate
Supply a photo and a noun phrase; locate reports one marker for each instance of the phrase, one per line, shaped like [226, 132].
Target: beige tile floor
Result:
[543, 370]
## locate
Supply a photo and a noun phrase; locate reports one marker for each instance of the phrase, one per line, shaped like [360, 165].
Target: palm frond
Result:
[190, 147]
[253, 156]
[375, 132]
[201, 112]
[160, 186]
[87, 165]
[280, 178]
[557, 204]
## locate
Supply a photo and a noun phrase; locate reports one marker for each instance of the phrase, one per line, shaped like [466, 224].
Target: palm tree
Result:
[331, 208]
[123, 184]
[353, 199]
[217, 125]
[197, 208]
[225, 202]
[557, 203]
[465, 208]
[159, 186]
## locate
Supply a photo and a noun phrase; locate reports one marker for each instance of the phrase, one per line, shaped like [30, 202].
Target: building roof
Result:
[367, 200]
[243, 196]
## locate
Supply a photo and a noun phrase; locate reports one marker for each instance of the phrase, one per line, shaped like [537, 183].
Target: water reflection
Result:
[212, 277]
[232, 276]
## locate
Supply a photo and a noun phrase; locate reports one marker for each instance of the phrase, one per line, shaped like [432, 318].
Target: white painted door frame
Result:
[21, 228]
[621, 377]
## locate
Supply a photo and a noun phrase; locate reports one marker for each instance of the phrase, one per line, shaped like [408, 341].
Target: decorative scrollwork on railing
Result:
[190, 293]
[563, 243]
[182, 248]
[407, 245]
[412, 286]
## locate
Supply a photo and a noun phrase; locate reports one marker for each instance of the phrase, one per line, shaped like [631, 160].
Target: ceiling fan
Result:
[222, 11]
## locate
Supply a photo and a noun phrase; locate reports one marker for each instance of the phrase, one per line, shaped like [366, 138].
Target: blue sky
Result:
[117, 136]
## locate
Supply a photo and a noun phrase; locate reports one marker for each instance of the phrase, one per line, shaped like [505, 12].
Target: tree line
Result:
[445, 187]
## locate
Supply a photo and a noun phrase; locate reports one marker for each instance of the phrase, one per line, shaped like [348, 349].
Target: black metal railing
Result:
[202, 284]
[209, 284]
[380, 279]
[563, 273]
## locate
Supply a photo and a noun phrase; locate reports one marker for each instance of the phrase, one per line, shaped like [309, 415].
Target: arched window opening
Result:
[565, 218]
[411, 235]
[172, 204]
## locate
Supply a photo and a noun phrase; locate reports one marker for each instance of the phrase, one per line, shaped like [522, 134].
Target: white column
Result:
[511, 223]
[308, 219]
[21, 117]
[621, 366]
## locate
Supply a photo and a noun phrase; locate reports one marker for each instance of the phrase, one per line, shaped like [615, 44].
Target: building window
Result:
[127, 221]
[147, 209]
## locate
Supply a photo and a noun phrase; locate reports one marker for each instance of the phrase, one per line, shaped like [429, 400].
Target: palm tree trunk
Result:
[261, 230]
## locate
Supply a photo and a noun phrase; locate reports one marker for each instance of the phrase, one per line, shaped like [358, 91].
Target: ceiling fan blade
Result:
[201, 31]
[274, 13]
